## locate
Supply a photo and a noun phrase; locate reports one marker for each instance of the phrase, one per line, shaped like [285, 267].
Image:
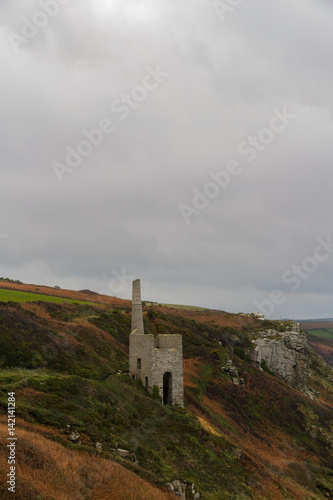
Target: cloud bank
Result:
[115, 115]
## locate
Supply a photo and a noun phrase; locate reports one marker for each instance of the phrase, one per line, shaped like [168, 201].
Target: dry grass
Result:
[192, 369]
[208, 427]
[211, 317]
[271, 455]
[275, 449]
[316, 325]
[47, 470]
[320, 348]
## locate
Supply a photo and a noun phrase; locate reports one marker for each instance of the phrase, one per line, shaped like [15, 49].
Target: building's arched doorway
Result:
[167, 388]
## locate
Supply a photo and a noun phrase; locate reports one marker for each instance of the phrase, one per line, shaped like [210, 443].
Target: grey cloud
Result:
[119, 207]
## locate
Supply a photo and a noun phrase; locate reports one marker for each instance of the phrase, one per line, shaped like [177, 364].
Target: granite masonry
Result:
[157, 362]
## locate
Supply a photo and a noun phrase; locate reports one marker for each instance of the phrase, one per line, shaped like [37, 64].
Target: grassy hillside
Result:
[48, 470]
[320, 337]
[17, 296]
[65, 362]
[323, 334]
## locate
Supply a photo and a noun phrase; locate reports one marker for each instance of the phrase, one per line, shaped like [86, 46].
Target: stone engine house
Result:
[157, 361]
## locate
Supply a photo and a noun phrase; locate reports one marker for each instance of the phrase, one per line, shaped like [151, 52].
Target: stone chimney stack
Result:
[137, 319]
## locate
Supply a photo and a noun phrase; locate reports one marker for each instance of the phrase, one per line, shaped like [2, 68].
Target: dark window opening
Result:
[146, 382]
[139, 364]
[167, 388]
[133, 377]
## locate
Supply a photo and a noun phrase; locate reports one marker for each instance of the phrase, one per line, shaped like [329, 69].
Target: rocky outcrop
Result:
[286, 354]
[313, 427]
[228, 368]
[183, 489]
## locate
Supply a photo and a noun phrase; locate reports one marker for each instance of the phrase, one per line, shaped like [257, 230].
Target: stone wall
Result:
[169, 359]
[167, 341]
[141, 347]
[155, 361]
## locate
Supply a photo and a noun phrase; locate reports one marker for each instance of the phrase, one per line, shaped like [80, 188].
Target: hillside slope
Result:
[257, 438]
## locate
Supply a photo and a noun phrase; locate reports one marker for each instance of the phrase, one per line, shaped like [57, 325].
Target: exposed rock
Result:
[123, 453]
[233, 372]
[99, 446]
[183, 489]
[286, 354]
[176, 484]
[228, 367]
[74, 437]
[313, 428]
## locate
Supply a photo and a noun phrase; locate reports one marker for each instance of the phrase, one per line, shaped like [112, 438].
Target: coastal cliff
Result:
[286, 354]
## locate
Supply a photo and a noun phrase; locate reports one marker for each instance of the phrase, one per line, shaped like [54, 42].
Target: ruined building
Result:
[157, 362]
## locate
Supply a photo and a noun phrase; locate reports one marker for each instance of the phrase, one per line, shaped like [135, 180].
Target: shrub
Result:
[156, 394]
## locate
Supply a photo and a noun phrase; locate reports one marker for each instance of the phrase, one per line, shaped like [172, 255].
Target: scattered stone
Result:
[99, 446]
[235, 381]
[123, 453]
[233, 372]
[74, 437]
[183, 489]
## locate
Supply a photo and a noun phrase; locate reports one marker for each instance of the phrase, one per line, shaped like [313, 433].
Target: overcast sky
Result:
[187, 143]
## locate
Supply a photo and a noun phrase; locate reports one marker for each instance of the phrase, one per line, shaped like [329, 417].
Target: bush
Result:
[156, 394]
[264, 366]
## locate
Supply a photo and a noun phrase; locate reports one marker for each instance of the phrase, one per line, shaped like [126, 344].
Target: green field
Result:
[324, 334]
[15, 296]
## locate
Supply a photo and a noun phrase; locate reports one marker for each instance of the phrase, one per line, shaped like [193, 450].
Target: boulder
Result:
[74, 437]
[176, 484]
[123, 453]
[233, 372]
